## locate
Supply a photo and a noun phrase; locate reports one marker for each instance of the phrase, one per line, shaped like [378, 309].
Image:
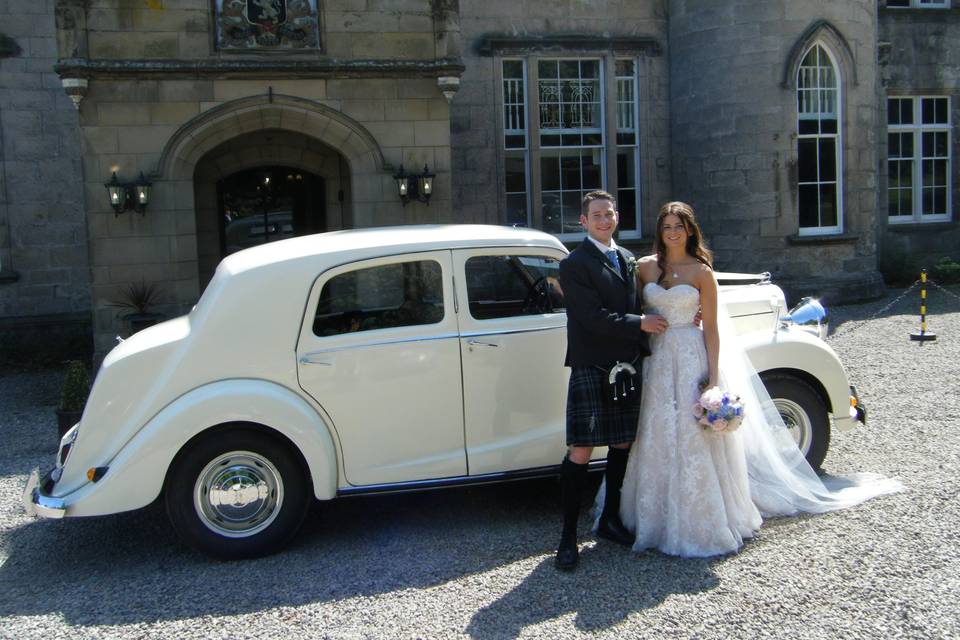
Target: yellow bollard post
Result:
[924, 335]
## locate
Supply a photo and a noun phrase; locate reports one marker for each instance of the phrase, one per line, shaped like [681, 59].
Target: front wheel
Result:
[237, 494]
[804, 413]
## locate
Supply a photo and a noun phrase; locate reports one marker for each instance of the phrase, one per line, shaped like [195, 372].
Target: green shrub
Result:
[76, 387]
[945, 272]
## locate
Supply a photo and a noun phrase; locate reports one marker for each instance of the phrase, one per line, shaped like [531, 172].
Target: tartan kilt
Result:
[592, 420]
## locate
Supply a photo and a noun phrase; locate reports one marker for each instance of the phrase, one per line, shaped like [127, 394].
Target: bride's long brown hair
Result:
[696, 245]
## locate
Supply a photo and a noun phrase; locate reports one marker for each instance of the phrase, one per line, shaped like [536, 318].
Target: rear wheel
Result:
[804, 413]
[237, 494]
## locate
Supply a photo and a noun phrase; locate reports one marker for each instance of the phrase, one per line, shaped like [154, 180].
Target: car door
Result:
[512, 344]
[379, 351]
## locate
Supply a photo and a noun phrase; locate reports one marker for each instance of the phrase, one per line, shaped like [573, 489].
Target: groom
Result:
[604, 326]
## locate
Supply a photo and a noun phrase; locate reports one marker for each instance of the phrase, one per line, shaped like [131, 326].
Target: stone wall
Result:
[733, 95]
[183, 29]
[43, 242]
[477, 161]
[162, 99]
[919, 55]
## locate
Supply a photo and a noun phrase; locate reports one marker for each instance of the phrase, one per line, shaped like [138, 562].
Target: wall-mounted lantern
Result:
[128, 196]
[414, 186]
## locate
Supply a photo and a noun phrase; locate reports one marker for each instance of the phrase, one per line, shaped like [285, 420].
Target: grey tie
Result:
[612, 256]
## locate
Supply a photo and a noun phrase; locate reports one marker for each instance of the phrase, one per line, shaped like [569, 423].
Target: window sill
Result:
[831, 238]
[912, 227]
[9, 277]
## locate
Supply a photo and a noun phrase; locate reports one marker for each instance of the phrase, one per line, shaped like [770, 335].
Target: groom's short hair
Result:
[595, 195]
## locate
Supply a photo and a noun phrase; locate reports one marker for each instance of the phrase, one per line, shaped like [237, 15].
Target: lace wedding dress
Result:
[695, 493]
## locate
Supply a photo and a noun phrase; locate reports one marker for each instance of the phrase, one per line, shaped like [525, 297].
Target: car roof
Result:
[387, 241]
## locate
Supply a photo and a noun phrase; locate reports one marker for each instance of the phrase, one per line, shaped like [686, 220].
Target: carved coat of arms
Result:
[267, 24]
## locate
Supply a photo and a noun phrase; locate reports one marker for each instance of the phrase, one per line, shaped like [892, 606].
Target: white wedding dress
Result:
[695, 493]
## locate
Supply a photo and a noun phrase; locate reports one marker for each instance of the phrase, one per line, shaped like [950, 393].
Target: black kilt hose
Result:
[603, 328]
[594, 419]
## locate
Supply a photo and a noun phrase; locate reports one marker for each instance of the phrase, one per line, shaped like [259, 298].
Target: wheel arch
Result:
[138, 472]
[802, 375]
[234, 427]
[801, 355]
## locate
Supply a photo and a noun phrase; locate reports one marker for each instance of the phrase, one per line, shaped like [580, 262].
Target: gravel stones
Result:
[478, 562]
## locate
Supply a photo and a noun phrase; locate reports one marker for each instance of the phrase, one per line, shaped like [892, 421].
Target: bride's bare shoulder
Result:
[647, 268]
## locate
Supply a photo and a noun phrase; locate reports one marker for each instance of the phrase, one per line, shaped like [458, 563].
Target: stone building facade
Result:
[814, 139]
[44, 266]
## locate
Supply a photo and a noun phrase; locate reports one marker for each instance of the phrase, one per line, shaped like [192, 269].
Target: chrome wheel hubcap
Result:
[238, 494]
[797, 422]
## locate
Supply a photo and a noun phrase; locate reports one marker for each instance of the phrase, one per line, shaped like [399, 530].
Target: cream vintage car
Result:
[369, 361]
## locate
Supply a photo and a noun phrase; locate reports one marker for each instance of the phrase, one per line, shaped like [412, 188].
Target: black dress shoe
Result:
[612, 529]
[567, 554]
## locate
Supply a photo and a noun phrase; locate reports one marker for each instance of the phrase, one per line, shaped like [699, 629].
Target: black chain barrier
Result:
[922, 282]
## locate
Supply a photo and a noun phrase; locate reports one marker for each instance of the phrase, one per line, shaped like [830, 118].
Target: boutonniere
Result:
[631, 265]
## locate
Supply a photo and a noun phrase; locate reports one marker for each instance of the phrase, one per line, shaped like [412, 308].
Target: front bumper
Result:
[36, 502]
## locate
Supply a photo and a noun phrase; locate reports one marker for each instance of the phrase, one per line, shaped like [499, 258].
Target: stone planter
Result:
[138, 321]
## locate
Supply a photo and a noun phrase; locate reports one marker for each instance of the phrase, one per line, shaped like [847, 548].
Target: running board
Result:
[461, 481]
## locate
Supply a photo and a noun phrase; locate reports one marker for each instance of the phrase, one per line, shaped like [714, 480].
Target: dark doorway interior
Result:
[265, 204]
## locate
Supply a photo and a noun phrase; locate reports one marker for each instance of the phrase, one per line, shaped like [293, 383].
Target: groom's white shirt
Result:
[603, 248]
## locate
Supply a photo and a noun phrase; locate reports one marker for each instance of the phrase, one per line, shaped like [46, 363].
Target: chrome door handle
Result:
[477, 343]
[308, 359]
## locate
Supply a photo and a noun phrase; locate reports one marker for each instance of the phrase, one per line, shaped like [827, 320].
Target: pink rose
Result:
[697, 409]
[719, 425]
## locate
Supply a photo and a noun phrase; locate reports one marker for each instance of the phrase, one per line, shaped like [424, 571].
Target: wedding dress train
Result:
[696, 493]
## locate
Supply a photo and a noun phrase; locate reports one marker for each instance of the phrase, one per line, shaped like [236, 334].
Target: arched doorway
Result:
[296, 184]
[265, 204]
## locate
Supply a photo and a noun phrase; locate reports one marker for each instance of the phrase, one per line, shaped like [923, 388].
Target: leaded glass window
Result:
[627, 144]
[515, 143]
[563, 111]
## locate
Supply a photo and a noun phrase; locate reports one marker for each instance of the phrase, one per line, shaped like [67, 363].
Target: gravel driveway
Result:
[478, 562]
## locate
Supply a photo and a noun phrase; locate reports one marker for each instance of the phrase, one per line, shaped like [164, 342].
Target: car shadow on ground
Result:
[129, 568]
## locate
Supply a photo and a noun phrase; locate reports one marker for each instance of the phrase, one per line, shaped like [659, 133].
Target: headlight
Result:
[808, 315]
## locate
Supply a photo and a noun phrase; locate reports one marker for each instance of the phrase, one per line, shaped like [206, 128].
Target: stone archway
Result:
[203, 134]
[269, 147]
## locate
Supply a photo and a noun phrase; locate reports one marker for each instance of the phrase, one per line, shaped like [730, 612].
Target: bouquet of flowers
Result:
[718, 410]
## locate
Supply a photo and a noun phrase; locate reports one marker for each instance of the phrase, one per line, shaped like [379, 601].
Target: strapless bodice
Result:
[678, 304]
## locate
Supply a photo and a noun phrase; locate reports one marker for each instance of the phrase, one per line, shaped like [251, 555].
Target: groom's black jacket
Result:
[603, 309]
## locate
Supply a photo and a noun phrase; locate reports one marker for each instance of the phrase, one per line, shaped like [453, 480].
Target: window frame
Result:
[533, 152]
[361, 333]
[923, 4]
[917, 128]
[837, 137]
[513, 257]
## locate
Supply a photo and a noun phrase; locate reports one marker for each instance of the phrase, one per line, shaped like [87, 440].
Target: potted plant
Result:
[73, 396]
[137, 299]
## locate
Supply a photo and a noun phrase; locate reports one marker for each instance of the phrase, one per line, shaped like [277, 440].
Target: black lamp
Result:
[128, 196]
[414, 186]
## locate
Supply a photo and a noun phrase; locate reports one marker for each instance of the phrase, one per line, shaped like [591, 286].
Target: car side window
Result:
[381, 297]
[513, 285]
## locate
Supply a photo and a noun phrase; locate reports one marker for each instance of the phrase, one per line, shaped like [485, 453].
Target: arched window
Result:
[818, 153]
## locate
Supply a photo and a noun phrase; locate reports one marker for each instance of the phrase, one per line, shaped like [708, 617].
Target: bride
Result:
[690, 492]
